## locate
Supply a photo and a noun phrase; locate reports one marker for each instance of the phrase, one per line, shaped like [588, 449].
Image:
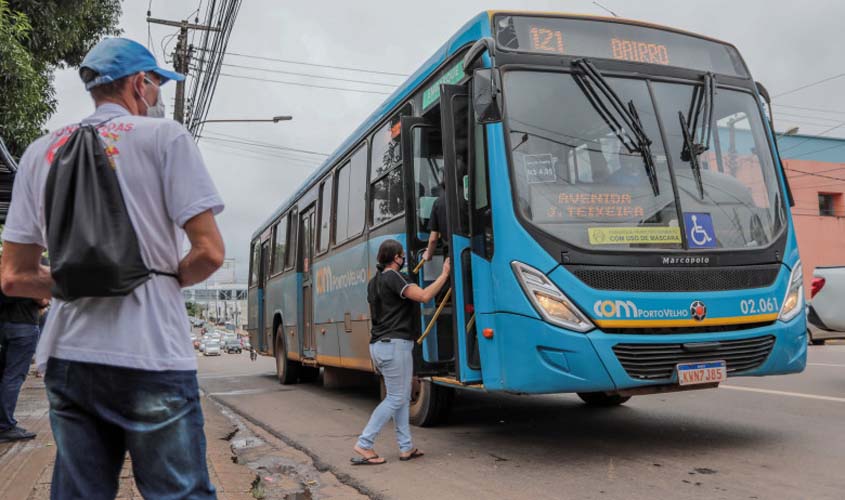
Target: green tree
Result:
[36, 38]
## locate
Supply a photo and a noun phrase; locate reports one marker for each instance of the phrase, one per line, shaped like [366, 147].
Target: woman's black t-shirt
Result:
[391, 312]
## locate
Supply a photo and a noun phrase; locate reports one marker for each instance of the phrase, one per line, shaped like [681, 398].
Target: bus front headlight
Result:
[793, 302]
[552, 304]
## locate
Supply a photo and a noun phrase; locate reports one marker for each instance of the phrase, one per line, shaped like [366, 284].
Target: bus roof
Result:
[593, 17]
[476, 28]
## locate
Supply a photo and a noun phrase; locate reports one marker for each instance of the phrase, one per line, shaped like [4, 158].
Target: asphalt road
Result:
[776, 437]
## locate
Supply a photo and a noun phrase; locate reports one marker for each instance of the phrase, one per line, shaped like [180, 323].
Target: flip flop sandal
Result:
[366, 461]
[414, 454]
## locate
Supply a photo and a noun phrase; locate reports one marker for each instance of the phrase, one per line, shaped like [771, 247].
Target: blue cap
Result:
[115, 58]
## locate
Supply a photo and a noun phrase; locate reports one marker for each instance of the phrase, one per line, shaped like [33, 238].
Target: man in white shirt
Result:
[121, 371]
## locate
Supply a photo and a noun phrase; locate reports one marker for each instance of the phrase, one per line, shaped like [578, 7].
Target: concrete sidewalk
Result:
[244, 463]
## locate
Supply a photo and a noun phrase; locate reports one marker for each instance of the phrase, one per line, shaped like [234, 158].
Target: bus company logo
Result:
[626, 309]
[614, 308]
[698, 310]
[687, 260]
[326, 282]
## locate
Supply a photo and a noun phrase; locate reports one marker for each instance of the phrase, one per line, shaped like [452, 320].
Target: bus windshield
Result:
[577, 177]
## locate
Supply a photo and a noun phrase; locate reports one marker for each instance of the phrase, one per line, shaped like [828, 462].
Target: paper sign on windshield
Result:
[633, 235]
[540, 169]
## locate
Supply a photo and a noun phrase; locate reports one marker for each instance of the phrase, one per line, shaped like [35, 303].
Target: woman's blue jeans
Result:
[394, 360]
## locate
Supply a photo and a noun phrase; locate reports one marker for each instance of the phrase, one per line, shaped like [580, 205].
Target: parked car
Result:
[825, 310]
[233, 345]
[212, 348]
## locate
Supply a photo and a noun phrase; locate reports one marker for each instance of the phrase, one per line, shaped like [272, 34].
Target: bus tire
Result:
[602, 399]
[430, 403]
[812, 340]
[309, 373]
[286, 370]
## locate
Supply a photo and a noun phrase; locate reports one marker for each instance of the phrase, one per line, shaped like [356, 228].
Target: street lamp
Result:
[275, 119]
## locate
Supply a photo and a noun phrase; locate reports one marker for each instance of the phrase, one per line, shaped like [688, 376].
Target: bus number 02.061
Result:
[758, 306]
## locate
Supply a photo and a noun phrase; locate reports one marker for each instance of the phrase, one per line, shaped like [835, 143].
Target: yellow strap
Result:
[436, 315]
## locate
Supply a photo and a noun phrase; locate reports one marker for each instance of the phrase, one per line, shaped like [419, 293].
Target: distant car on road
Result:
[233, 345]
[826, 311]
[212, 348]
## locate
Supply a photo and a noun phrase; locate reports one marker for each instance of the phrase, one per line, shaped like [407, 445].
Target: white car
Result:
[825, 310]
[212, 348]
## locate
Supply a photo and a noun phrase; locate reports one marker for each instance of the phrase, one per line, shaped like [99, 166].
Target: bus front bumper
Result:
[528, 355]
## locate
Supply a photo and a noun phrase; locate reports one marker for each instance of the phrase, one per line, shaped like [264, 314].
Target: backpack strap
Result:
[162, 273]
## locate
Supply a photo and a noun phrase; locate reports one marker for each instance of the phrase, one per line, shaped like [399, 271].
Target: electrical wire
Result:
[267, 70]
[813, 84]
[317, 65]
[244, 140]
[303, 84]
[831, 129]
[809, 109]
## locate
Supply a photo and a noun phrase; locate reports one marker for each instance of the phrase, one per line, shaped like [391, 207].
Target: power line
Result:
[841, 124]
[268, 70]
[809, 109]
[798, 115]
[816, 175]
[813, 84]
[260, 155]
[304, 63]
[828, 148]
[304, 84]
[243, 140]
[820, 172]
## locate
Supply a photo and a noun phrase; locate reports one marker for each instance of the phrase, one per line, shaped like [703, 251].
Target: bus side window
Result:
[387, 196]
[290, 254]
[280, 235]
[482, 217]
[255, 263]
[325, 214]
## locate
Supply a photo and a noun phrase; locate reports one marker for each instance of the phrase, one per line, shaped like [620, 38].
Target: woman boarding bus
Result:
[390, 295]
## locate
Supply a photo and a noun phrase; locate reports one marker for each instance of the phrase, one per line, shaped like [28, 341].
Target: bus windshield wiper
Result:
[701, 106]
[591, 79]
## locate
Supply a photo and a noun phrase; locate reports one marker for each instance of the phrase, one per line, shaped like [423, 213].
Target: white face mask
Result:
[156, 110]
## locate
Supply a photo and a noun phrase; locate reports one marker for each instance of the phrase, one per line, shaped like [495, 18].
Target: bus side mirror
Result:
[486, 95]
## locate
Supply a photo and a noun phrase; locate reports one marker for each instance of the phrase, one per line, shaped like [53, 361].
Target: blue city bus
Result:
[619, 220]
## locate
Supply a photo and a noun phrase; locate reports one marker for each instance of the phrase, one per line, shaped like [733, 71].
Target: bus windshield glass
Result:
[578, 175]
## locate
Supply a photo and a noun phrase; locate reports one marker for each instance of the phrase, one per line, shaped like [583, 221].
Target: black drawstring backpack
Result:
[94, 251]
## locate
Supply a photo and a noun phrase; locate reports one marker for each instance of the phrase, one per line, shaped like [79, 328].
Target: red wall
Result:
[821, 239]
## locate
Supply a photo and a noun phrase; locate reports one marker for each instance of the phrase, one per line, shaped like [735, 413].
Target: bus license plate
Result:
[702, 373]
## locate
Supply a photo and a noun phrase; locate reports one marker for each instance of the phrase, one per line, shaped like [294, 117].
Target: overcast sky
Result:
[785, 44]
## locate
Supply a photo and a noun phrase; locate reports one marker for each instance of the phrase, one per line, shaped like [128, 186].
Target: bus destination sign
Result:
[581, 37]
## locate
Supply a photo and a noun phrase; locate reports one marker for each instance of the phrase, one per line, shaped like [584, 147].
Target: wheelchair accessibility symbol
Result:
[699, 227]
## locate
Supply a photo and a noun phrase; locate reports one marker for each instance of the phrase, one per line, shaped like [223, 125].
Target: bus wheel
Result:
[812, 340]
[430, 403]
[286, 370]
[602, 399]
[309, 373]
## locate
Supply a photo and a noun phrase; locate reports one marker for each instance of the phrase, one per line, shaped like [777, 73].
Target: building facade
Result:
[815, 167]
[220, 298]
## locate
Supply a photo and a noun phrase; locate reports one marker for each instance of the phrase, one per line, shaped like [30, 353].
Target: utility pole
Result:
[181, 58]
